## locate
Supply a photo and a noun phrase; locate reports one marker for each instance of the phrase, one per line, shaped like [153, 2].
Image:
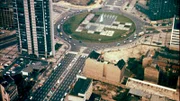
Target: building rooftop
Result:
[94, 55]
[152, 88]
[120, 63]
[26, 65]
[81, 86]
[147, 95]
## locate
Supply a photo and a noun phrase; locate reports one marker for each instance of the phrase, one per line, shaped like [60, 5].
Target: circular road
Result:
[76, 44]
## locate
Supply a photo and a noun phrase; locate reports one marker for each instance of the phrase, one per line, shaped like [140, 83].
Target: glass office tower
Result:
[34, 25]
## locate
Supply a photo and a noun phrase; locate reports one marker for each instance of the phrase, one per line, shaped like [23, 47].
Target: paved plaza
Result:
[103, 22]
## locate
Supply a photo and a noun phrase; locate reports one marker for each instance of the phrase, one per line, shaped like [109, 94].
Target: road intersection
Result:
[64, 75]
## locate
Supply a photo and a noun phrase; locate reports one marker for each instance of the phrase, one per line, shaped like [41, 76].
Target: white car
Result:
[31, 98]
[62, 99]
[118, 44]
[130, 40]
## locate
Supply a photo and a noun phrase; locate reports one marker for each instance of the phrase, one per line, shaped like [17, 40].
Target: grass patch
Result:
[71, 25]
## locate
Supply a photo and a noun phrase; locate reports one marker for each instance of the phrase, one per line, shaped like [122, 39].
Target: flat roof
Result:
[81, 86]
[121, 63]
[94, 55]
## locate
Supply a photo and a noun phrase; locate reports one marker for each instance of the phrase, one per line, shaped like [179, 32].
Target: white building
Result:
[174, 42]
[82, 90]
[34, 27]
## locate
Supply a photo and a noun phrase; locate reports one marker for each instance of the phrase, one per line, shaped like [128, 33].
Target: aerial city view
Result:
[89, 50]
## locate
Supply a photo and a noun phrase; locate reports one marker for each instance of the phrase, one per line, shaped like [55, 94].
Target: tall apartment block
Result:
[6, 14]
[34, 25]
[159, 9]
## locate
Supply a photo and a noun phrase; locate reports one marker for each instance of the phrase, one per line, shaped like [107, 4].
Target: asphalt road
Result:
[42, 92]
[75, 44]
[64, 87]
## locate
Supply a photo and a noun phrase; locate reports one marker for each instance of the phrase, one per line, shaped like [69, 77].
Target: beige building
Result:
[98, 69]
[82, 90]
[151, 74]
[148, 90]
[4, 96]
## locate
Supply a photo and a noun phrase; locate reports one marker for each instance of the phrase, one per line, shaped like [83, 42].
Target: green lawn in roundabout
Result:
[72, 23]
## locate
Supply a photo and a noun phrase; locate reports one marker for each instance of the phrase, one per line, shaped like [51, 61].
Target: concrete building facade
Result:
[6, 14]
[159, 9]
[82, 89]
[151, 74]
[175, 34]
[34, 25]
[104, 71]
[150, 89]
[4, 96]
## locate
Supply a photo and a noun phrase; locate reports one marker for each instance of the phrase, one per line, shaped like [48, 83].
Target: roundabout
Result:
[76, 43]
[99, 27]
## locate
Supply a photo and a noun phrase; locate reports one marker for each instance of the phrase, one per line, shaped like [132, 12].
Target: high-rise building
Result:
[161, 9]
[34, 25]
[6, 14]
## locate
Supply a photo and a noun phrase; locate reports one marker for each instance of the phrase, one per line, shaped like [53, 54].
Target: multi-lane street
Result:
[59, 82]
[68, 80]
[42, 92]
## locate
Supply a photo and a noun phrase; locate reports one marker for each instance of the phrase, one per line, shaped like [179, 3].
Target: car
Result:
[135, 37]
[118, 44]
[130, 40]
[62, 99]
[74, 44]
[31, 98]
[124, 41]
[80, 41]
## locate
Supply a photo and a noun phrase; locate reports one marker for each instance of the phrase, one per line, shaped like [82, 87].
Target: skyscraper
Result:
[162, 9]
[6, 14]
[34, 25]
[159, 9]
